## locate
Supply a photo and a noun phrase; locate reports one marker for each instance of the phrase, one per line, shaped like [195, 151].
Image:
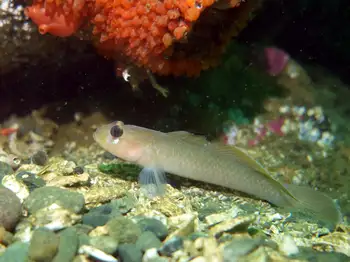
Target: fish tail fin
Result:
[315, 204]
[152, 181]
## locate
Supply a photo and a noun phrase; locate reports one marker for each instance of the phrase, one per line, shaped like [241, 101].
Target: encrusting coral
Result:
[167, 37]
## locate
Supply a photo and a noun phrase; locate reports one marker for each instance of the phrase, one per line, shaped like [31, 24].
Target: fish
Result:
[194, 157]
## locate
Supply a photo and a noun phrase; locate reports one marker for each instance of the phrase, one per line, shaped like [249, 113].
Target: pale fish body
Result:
[193, 157]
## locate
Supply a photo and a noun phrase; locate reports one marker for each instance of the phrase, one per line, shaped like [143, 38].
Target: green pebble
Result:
[43, 245]
[68, 246]
[123, 230]
[16, 252]
[46, 196]
[155, 226]
[148, 240]
[105, 243]
[129, 253]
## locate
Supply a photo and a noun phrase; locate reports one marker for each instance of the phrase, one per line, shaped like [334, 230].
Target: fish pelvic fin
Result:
[152, 182]
[315, 205]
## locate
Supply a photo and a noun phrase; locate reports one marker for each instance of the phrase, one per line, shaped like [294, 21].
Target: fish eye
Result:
[116, 131]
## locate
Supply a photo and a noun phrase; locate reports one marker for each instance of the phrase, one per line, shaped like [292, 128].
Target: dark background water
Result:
[311, 31]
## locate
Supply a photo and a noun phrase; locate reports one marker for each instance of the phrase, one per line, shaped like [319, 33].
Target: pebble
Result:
[68, 245]
[31, 180]
[17, 252]
[124, 204]
[123, 230]
[5, 169]
[148, 240]
[151, 255]
[40, 158]
[238, 224]
[46, 196]
[99, 216]
[43, 245]
[129, 253]
[105, 243]
[172, 245]
[239, 247]
[288, 246]
[10, 208]
[155, 226]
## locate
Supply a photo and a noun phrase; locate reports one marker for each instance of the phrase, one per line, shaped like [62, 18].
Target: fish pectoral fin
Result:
[152, 181]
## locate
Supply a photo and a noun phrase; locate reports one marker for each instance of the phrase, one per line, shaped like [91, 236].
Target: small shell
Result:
[96, 253]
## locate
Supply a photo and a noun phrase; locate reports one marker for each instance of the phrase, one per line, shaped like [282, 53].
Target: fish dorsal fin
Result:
[189, 137]
[245, 158]
[242, 155]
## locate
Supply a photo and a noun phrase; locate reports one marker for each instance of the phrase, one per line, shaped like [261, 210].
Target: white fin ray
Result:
[153, 181]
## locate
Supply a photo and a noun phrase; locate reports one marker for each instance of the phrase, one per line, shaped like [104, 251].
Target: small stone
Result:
[31, 180]
[288, 246]
[238, 224]
[239, 247]
[129, 253]
[68, 245]
[155, 226]
[46, 196]
[78, 170]
[124, 204]
[54, 217]
[105, 243]
[100, 215]
[16, 252]
[148, 240]
[123, 230]
[172, 245]
[16, 186]
[43, 245]
[151, 255]
[40, 158]
[5, 169]
[10, 208]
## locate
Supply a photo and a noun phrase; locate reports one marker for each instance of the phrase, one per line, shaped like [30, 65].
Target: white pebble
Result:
[288, 246]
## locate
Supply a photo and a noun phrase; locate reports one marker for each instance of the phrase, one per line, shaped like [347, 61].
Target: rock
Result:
[68, 245]
[16, 186]
[31, 180]
[43, 245]
[148, 240]
[123, 230]
[124, 204]
[17, 252]
[151, 255]
[5, 169]
[155, 226]
[54, 217]
[239, 247]
[40, 158]
[129, 253]
[99, 216]
[105, 243]
[172, 245]
[10, 208]
[238, 224]
[46, 196]
[288, 246]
